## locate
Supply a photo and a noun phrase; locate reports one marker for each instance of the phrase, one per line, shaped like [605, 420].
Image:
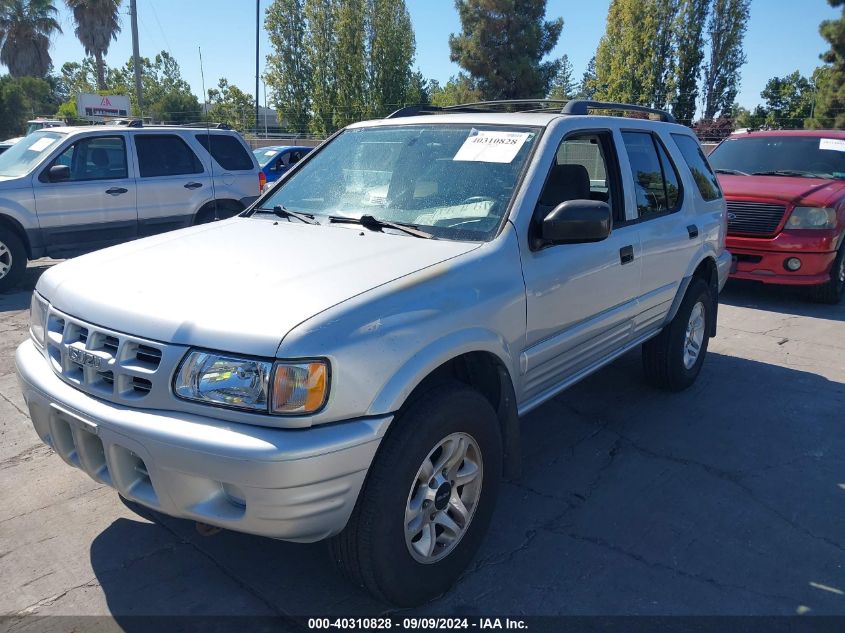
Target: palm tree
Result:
[25, 30]
[97, 24]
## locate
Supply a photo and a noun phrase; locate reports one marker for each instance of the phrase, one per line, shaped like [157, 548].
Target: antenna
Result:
[208, 134]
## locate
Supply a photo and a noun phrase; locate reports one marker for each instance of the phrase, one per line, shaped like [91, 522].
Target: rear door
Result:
[96, 206]
[173, 184]
[235, 167]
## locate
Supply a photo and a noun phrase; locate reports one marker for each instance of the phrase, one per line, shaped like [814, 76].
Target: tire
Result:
[373, 550]
[665, 360]
[12, 260]
[832, 291]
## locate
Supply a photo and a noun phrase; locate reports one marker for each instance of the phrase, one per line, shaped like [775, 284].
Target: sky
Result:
[783, 36]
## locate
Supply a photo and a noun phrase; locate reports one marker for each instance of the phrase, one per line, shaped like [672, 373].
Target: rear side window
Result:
[165, 155]
[704, 177]
[228, 151]
[655, 178]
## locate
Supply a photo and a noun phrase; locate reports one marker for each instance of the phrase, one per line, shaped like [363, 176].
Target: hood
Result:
[239, 285]
[798, 191]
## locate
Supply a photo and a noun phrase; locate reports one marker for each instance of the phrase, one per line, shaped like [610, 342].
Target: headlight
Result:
[37, 318]
[282, 387]
[812, 218]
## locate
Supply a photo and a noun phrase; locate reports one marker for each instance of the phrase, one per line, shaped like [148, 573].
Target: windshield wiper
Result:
[374, 224]
[287, 213]
[786, 172]
[731, 172]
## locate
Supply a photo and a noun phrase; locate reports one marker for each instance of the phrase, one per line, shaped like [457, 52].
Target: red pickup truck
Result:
[785, 192]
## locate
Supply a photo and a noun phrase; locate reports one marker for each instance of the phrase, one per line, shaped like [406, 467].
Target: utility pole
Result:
[136, 58]
[257, 32]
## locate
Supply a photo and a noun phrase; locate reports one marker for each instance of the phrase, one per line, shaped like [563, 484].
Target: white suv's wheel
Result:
[428, 498]
[673, 358]
[12, 260]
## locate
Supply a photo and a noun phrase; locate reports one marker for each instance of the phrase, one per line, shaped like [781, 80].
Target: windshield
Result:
[452, 181]
[264, 155]
[23, 155]
[799, 156]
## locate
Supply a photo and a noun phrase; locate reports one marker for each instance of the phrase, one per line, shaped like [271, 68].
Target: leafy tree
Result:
[663, 52]
[350, 69]
[689, 52]
[587, 87]
[502, 44]
[97, 24]
[749, 119]
[726, 29]
[714, 130]
[624, 58]
[789, 100]
[563, 85]
[22, 98]
[829, 110]
[419, 90]
[321, 51]
[25, 30]
[288, 72]
[459, 89]
[230, 105]
[391, 49]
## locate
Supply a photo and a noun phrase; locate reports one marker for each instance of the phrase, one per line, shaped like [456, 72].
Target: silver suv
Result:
[70, 190]
[349, 358]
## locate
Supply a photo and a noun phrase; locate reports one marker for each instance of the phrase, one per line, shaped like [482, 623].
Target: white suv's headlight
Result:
[256, 385]
[38, 319]
[812, 218]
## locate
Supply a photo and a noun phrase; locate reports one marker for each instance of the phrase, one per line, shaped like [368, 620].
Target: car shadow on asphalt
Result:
[20, 297]
[719, 500]
[783, 299]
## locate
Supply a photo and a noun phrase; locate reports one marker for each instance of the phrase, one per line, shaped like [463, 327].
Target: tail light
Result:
[262, 181]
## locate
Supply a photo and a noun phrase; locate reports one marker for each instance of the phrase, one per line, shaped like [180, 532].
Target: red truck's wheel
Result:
[833, 290]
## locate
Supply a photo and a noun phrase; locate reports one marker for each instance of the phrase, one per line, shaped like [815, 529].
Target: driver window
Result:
[95, 158]
[580, 172]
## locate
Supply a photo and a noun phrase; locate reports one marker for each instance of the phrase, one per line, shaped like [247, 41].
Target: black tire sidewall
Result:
[19, 259]
[698, 291]
[398, 575]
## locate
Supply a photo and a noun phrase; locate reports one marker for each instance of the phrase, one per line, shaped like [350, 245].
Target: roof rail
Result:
[579, 106]
[477, 106]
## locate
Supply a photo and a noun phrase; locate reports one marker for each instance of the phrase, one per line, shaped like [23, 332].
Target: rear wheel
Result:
[12, 259]
[832, 291]
[428, 499]
[672, 360]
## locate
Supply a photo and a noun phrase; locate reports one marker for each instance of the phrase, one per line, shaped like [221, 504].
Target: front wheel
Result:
[672, 360]
[12, 260]
[833, 291]
[428, 499]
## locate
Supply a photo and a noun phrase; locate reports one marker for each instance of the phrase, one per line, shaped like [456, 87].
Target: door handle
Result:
[626, 254]
[193, 185]
[692, 230]
[116, 191]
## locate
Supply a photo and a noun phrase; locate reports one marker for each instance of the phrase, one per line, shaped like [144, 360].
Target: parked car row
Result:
[349, 358]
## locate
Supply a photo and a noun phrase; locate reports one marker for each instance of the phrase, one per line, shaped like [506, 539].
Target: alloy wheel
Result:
[5, 260]
[695, 335]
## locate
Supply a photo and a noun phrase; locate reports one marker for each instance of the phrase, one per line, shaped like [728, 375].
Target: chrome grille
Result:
[107, 364]
[754, 218]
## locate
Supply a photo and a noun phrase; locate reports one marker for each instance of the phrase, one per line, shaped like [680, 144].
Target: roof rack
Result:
[579, 106]
[140, 123]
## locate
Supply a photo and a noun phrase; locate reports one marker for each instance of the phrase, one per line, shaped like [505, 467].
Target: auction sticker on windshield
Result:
[835, 144]
[491, 147]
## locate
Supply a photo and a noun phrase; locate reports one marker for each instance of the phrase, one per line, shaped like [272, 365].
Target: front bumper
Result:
[763, 259]
[297, 485]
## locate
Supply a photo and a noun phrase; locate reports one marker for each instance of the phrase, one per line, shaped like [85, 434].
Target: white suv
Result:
[404, 294]
[66, 191]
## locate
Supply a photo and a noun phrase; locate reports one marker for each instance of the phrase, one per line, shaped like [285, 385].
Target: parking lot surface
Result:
[726, 499]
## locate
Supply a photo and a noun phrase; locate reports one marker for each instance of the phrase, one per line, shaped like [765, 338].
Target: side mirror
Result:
[58, 173]
[577, 221]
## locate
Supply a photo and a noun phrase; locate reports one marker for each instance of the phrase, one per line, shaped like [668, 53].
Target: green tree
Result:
[22, 98]
[829, 110]
[392, 46]
[726, 30]
[230, 105]
[625, 58]
[419, 90]
[587, 87]
[689, 53]
[350, 69]
[744, 118]
[502, 44]
[288, 73]
[459, 89]
[321, 51]
[25, 30]
[789, 100]
[563, 84]
[663, 52]
[97, 24]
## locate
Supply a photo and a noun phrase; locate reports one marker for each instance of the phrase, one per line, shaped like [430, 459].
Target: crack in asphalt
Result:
[14, 406]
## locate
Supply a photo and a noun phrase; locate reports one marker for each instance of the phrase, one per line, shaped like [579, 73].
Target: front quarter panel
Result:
[383, 343]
